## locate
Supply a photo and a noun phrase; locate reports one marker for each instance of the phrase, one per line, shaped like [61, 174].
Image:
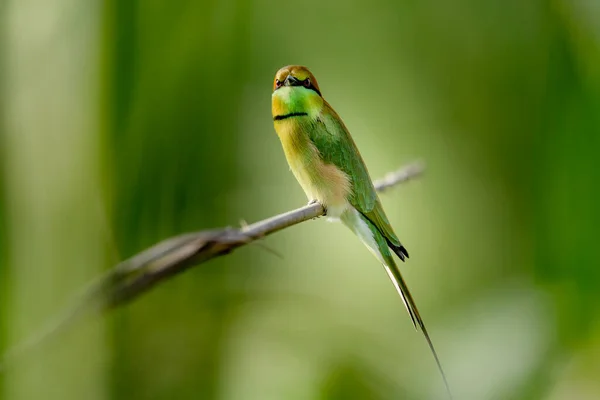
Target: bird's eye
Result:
[278, 83]
[306, 82]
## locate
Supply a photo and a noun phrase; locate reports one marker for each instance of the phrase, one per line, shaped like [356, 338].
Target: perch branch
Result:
[138, 274]
[172, 256]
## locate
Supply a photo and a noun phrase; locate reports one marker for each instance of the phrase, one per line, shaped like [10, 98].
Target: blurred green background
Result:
[126, 122]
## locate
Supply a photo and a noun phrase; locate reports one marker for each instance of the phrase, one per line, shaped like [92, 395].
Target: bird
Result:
[328, 166]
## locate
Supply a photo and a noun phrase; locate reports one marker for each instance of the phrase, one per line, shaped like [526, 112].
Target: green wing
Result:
[331, 137]
[336, 146]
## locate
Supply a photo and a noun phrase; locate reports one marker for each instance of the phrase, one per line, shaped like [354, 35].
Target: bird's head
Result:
[296, 76]
[295, 90]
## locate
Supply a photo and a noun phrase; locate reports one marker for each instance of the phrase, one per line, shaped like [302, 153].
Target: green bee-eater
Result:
[328, 166]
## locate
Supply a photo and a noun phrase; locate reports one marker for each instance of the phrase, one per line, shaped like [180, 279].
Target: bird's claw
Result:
[315, 201]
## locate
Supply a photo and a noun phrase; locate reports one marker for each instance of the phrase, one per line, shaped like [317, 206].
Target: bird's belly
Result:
[321, 181]
[325, 183]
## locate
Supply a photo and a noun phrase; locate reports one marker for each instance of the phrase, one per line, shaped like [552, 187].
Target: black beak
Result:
[291, 81]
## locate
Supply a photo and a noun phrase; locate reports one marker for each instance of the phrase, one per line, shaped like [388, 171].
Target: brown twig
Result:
[138, 274]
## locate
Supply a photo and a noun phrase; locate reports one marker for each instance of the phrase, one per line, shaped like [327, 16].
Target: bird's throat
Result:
[290, 102]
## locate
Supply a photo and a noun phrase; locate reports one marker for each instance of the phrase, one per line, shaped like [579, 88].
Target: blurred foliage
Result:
[125, 122]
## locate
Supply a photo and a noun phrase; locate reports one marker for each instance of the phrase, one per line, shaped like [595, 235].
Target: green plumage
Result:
[330, 136]
[330, 169]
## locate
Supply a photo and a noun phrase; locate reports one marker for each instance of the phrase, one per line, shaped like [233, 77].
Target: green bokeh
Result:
[126, 122]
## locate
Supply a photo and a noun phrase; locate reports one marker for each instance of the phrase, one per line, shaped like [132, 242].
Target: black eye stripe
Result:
[310, 86]
[306, 83]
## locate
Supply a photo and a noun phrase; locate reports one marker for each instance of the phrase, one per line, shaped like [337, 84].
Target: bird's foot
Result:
[315, 201]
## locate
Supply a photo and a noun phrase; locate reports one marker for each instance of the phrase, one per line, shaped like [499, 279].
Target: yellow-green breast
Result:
[319, 180]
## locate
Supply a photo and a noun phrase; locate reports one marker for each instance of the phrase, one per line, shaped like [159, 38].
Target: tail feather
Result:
[394, 274]
[395, 245]
[399, 250]
[413, 313]
[378, 244]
